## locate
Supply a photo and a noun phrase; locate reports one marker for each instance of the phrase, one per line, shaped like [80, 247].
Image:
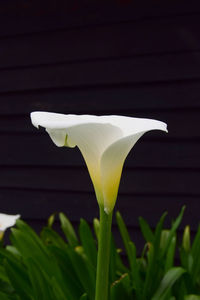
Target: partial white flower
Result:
[104, 142]
[7, 221]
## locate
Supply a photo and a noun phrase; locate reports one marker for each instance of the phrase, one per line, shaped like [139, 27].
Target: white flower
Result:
[7, 221]
[104, 142]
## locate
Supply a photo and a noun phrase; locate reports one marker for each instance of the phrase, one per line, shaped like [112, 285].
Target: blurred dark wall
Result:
[136, 59]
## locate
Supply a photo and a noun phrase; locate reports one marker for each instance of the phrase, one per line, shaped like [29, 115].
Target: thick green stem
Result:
[103, 261]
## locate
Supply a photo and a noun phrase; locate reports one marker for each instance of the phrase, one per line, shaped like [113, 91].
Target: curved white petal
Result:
[60, 137]
[131, 125]
[7, 221]
[91, 134]
[104, 142]
[58, 125]
[113, 159]
[59, 121]
[92, 142]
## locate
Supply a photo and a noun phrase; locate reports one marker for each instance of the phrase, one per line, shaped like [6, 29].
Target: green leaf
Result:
[49, 236]
[84, 297]
[6, 287]
[46, 286]
[195, 269]
[14, 251]
[153, 256]
[81, 269]
[158, 233]
[173, 230]
[58, 291]
[5, 297]
[51, 220]
[113, 254]
[3, 275]
[71, 281]
[30, 246]
[117, 267]
[146, 230]
[151, 271]
[42, 288]
[88, 242]
[164, 238]
[24, 239]
[186, 255]
[96, 226]
[16, 272]
[169, 262]
[167, 282]
[125, 236]
[18, 277]
[192, 297]
[68, 230]
[121, 289]
[136, 278]
[186, 239]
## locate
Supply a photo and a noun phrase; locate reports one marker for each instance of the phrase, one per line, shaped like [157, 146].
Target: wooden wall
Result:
[139, 60]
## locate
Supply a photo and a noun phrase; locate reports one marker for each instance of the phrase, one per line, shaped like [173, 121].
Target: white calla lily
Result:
[7, 221]
[104, 142]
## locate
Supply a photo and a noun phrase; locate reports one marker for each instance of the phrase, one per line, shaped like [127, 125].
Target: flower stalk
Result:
[103, 260]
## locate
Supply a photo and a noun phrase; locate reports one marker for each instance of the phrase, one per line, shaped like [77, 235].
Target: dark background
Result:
[135, 58]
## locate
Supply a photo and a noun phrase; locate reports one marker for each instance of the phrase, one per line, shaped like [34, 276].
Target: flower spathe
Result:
[104, 142]
[7, 221]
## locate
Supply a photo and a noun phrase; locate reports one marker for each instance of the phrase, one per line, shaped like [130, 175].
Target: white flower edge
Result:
[7, 221]
[104, 142]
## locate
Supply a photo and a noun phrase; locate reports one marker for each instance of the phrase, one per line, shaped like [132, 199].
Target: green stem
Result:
[103, 260]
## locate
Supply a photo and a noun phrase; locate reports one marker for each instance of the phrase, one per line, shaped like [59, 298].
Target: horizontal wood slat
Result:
[37, 150]
[111, 41]
[123, 71]
[37, 205]
[140, 181]
[112, 99]
[36, 16]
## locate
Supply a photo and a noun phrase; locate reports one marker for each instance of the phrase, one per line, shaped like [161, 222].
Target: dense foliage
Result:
[47, 267]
